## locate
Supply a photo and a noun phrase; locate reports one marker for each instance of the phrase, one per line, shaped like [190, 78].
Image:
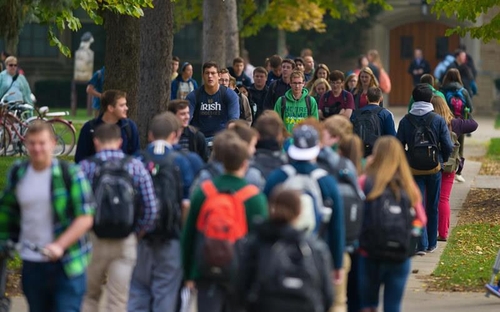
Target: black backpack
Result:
[352, 196]
[423, 151]
[367, 127]
[115, 196]
[283, 106]
[330, 110]
[287, 277]
[387, 229]
[167, 183]
[267, 161]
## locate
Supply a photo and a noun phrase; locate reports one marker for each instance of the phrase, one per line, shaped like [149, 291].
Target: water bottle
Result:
[466, 113]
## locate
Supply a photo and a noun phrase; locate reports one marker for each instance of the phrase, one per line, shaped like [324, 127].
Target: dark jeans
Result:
[393, 275]
[213, 297]
[48, 289]
[430, 187]
[353, 284]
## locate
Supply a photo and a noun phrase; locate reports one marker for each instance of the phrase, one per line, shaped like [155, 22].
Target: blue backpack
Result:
[456, 102]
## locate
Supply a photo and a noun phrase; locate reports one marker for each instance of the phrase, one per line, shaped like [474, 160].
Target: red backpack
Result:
[222, 223]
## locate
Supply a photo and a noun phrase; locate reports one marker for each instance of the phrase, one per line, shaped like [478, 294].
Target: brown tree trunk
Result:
[156, 43]
[232, 33]
[122, 57]
[214, 45]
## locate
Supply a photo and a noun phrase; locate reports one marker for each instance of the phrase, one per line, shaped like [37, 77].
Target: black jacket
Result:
[269, 233]
[258, 97]
[276, 89]
[422, 65]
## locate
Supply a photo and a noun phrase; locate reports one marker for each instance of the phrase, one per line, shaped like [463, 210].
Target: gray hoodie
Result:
[421, 108]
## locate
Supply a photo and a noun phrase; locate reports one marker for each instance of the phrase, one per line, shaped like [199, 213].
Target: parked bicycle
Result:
[15, 119]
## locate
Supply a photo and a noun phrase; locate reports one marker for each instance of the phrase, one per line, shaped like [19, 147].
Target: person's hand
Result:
[337, 276]
[53, 251]
[190, 284]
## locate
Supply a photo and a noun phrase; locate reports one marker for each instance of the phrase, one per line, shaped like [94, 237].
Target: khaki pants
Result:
[340, 291]
[114, 259]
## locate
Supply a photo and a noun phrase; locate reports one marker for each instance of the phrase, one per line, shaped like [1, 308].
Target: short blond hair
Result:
[10, 59]
[297, 74]
[338, 126]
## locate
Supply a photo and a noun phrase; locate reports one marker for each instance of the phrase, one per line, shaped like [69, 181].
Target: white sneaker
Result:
[459, 178]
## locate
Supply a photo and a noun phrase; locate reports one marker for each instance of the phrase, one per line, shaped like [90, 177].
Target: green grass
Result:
[465, 264]
[81, 114]
[494, 149]
[497, 122]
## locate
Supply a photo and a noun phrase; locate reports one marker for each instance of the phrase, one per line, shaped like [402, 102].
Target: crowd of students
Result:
[278, 200]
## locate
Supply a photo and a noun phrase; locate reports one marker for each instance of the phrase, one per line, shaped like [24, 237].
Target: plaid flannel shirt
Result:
[67, 207]
[142, 183]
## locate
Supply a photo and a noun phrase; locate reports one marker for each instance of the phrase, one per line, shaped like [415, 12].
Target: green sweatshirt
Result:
[434, 91]
[296, 110]
[256, 207]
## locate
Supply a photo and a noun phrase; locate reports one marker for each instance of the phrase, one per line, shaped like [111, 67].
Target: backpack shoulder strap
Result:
[14, 173]
[209, 189]
[326, 97]
[344, 95]
[412, 120]
[308, 105]
[289, 170]
[246, 193]
[92, 125]
[318, 173]
[429, 119]
[283, 107]
[66, 174]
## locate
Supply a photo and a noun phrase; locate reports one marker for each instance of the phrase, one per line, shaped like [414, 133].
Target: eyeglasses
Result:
[296, 83]
[12, 65]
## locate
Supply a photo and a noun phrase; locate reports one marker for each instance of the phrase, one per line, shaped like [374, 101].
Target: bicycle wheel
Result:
[65, 136]
[6, 147]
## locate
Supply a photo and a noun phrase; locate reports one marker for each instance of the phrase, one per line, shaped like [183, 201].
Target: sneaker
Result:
[493, 289]
[459, 178]
[442, 239]
[420, 253]
[431, 249]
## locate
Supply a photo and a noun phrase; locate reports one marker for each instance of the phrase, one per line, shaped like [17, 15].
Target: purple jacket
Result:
[463, 126]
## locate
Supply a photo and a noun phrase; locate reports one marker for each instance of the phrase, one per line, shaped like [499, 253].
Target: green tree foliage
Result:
[59, 13]
[470, 11]
[289, 15]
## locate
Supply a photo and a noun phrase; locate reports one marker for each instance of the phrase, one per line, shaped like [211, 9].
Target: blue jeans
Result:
[374, 273]
[430, 187]
[157, 277]
[48, 289]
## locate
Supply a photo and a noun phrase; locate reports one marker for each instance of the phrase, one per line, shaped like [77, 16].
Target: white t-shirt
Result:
[34, 197]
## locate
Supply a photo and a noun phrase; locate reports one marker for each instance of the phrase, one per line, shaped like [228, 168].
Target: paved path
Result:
[417, 299]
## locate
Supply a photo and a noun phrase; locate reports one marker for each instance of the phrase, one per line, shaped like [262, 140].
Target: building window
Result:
[34, 42]
[406, 47]
[442, 47]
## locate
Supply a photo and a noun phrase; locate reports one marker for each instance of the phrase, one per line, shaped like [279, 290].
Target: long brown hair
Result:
[453, 75]
[373, 80]
[351, 147]
[389, 167]
[315, 75]
[442, 109]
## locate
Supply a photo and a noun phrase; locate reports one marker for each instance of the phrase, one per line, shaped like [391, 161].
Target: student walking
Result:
[428, 142]
[126, 211]
[278, 253]
[223, 211]
[393, 219]
[48, 202]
